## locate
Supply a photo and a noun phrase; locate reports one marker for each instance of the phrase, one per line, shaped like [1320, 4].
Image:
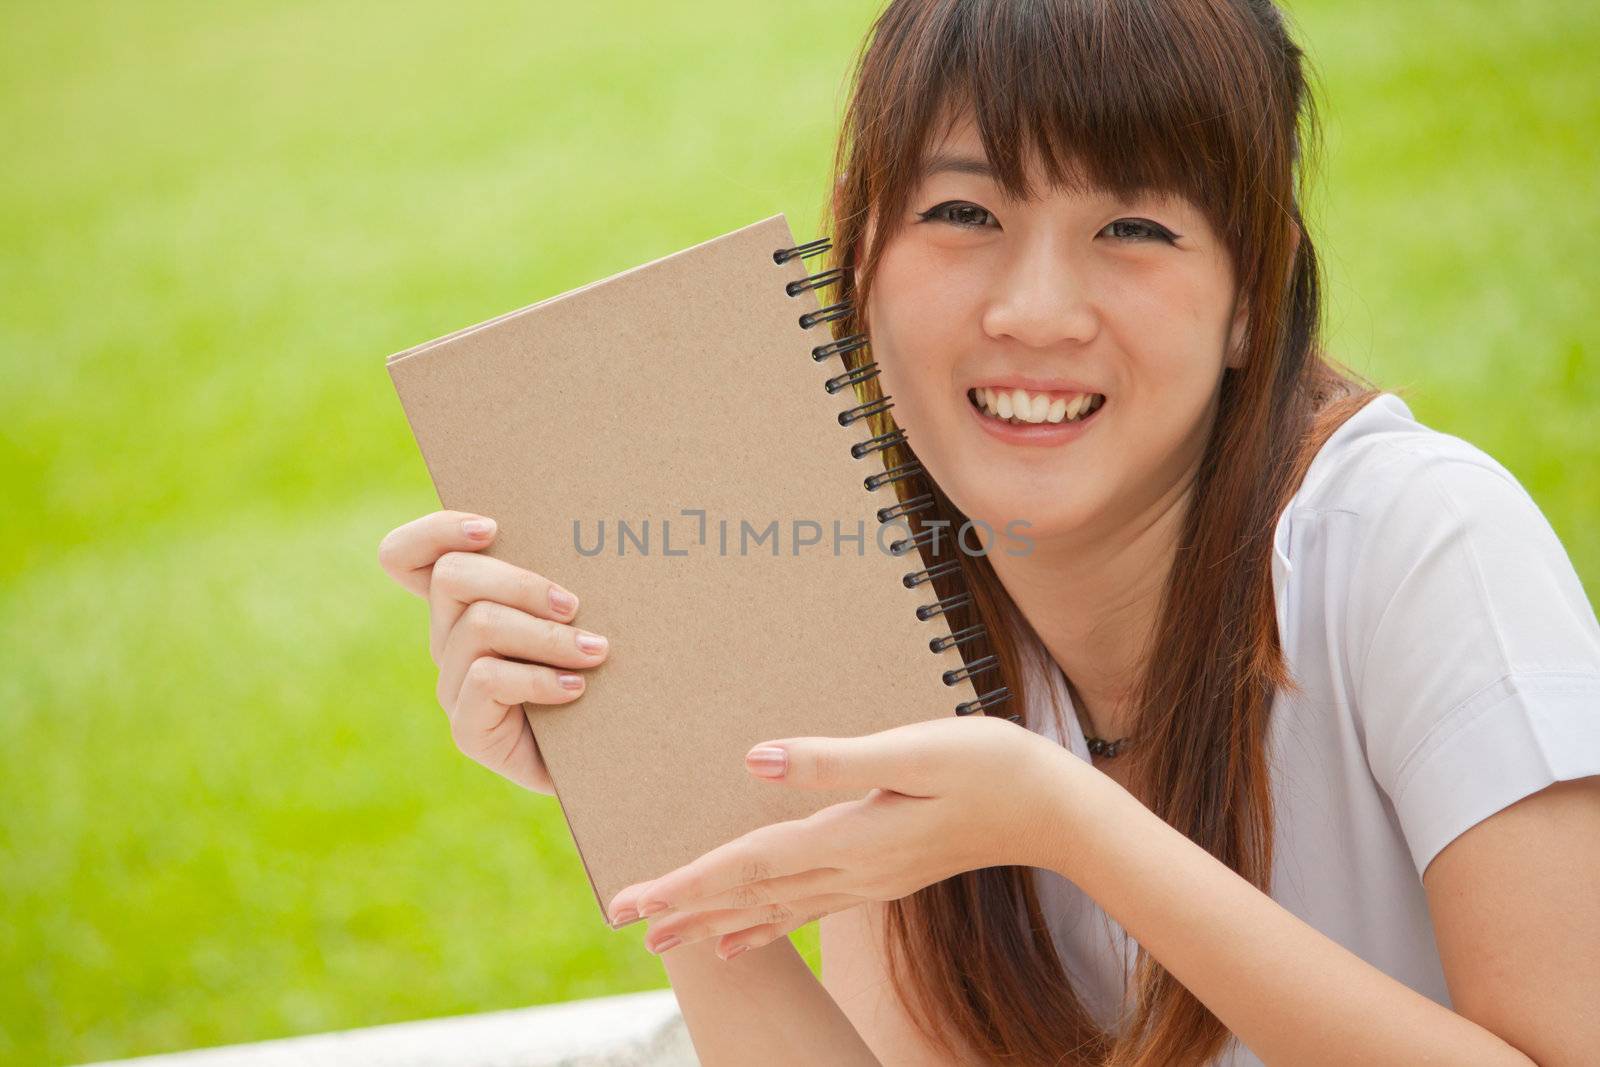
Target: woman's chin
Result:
[1014, 524]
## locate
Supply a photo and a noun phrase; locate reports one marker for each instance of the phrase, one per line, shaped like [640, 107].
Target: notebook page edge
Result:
[425, 346]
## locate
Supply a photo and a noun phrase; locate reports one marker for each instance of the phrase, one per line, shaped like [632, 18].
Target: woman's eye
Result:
[968, 216]
[1140, 230]
[957, 213]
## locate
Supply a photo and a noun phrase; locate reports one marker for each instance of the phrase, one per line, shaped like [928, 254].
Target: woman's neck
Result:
[1094, 601]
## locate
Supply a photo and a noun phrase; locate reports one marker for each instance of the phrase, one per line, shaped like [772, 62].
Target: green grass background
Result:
[229, 806]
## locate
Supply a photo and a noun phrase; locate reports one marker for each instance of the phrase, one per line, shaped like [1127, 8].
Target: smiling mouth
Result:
[1022, 407]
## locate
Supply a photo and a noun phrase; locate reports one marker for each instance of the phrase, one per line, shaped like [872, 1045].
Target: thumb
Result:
[872, 761]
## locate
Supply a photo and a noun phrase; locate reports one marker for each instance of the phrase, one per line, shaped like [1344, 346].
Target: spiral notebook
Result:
[682, 447]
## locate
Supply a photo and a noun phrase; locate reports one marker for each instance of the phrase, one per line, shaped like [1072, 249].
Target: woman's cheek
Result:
[912, 370]
[919, 412]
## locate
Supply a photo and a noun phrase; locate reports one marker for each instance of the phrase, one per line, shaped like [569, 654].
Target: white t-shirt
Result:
[1449, 664]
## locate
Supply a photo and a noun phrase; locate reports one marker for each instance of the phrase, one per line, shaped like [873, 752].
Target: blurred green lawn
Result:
[229, 806]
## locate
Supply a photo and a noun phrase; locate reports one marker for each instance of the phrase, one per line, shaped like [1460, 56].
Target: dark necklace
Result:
[1099, 746]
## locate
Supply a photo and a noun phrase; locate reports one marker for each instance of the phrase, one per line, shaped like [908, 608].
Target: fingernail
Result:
[734, 953]
[767, 761]
[671, 942]
[626, 915]
[591, 643]
[561, 601]
[570, 681]
[652, 907]
[477, 528]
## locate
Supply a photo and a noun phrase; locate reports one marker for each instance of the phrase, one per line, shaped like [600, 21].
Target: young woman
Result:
[1312, 692]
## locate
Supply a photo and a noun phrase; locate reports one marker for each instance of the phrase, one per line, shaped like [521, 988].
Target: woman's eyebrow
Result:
[943, 162]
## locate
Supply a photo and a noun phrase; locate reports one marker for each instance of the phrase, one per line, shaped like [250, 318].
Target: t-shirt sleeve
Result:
[1480, 683]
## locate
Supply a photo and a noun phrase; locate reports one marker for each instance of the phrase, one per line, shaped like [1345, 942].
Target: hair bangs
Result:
[1091, 97]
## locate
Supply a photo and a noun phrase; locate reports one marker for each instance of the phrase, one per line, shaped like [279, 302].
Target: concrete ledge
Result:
[632, 1030]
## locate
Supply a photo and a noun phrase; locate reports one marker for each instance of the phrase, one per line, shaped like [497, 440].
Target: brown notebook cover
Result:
[681, 387]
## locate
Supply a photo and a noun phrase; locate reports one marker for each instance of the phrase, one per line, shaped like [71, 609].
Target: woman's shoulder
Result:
[1404, 535]
[1386, 491]
[1382, 459]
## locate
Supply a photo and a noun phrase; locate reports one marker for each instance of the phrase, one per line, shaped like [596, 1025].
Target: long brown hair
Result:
[1207, 99]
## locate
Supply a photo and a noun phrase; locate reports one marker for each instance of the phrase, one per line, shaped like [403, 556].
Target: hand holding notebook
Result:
[501, 636]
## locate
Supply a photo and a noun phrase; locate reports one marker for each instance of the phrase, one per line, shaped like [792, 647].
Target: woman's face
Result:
[1104, 325]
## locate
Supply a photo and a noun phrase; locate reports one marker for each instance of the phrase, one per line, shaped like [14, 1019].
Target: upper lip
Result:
[1032, 384]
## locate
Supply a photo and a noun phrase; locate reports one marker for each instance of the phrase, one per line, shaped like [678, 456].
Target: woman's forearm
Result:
[763, 1006]
[1287, 991]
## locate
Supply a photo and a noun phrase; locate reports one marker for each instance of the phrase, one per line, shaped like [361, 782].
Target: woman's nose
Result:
[1040, 298]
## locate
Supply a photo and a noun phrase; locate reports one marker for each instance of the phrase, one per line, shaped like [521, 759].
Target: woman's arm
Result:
[1287, 991]
[1516, 914]
[856, 973]
[762, 1006]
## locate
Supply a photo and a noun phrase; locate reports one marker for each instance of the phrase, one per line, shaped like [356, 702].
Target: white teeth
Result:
[1019, 405]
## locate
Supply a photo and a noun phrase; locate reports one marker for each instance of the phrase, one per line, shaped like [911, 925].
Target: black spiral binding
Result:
[852, 377]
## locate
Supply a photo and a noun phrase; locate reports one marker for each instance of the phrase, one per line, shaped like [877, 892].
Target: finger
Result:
[774, 851]
[748, 925]
[490, 628]
[459, 578]
[491, 683]
[730, 945]
[624, 907]
[489, 725]
[900, 759]
[819, 881]
[869, 762]
[407, 553]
